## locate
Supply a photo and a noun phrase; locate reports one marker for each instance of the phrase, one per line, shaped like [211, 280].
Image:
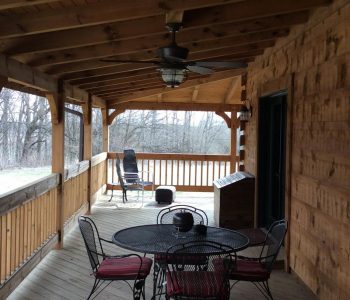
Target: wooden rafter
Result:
[233, 87]
[108, 11]
[195, 93]
[46, 41]
[190, 83]
[8, 4]
[143, 48]
[115, 32]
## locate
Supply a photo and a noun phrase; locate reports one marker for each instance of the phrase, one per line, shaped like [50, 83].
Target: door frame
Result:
[263, 106]
[282, 84]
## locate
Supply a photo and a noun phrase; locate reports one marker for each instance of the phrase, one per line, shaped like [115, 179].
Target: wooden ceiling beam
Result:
[235, 83]
[130, 81]
[208, 50]
[106, 80]
[142, 85]
[220, 47]
[119, 68]
[145, 45]
[126, 70]
[195, 93]
[26, 75]
[114, 32]
[119, 81]
[176, 106]
[126, 91]
[9, 4]
[174, 16]
[249, 9]
[95, 13]
[189, 83]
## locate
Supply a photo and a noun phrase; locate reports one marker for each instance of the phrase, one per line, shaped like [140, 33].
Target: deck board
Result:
[64, 274]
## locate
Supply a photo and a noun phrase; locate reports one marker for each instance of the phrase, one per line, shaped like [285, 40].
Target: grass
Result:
[14, 178]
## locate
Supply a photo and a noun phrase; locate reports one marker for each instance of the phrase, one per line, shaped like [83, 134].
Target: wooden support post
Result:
[105, 138]
[105, 130]
[56, 102]
[234, 126]
[87, 154]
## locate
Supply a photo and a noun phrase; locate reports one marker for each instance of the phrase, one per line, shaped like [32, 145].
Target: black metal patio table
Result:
[158, 238]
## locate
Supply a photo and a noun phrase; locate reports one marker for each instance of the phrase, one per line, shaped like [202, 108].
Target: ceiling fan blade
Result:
[221, 64]
[130, 61]
[199, 69]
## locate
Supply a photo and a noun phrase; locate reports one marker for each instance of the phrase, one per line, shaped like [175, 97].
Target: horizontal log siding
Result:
[187, 172]
[24, 230]
[317, 56]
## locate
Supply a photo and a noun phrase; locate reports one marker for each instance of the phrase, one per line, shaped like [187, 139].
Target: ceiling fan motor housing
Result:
[173, 51]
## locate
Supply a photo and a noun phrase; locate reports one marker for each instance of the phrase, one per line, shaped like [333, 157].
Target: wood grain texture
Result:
[65, 274]
[317, 55]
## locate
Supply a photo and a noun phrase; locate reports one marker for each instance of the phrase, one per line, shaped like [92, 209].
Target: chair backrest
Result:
[92, 240]
[129, 161]
[273, 243]
[165, 216]
[205, 257]
[119, 173]
[130, 166]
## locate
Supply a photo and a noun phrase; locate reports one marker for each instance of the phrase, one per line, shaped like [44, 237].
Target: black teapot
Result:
[183, 221]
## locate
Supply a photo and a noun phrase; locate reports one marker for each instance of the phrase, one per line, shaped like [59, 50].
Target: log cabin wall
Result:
[313, 63]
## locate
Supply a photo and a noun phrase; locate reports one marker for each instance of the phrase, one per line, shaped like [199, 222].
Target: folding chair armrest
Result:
[131, 173]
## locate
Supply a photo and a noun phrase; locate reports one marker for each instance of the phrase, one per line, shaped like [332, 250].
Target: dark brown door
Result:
[272, 156]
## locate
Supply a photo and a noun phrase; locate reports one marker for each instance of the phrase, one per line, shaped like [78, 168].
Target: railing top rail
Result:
[17, 197]
[175, 156]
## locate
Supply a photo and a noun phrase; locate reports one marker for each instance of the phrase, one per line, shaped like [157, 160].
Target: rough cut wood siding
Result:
[317, 56]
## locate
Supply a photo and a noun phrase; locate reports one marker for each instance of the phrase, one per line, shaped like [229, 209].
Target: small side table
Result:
[165, 193]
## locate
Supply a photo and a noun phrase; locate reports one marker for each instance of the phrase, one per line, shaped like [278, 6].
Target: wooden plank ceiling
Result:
[67, 39]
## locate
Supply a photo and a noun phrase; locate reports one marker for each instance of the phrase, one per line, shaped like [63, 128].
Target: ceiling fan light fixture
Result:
[173, 77]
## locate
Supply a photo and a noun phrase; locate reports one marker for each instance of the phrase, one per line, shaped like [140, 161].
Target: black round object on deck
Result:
[183, 221]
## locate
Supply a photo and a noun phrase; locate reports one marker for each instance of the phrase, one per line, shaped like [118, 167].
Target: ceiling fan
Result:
[173, 65]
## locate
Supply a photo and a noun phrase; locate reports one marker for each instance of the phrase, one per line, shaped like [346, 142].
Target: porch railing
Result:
[187, 172]
[29, 217]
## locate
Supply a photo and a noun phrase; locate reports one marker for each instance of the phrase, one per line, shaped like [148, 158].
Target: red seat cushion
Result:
[249, 271]
[124, 268]
[200, 284]
[246, 270]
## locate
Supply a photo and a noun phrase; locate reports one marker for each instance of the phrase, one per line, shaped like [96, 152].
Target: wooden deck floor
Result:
[64, 274]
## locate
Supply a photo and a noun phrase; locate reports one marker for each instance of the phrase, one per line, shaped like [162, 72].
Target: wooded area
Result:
[26, 131]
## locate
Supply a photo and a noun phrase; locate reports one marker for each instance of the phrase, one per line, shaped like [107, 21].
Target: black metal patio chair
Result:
[105, 268]
[257, 270]
[165, 216]
[126, 184]
[131, 171]
[198, 281]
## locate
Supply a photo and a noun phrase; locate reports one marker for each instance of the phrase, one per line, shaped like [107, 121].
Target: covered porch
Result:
[64, 274]
[286, 63]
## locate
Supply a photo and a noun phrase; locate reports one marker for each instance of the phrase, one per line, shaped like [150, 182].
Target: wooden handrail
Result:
[187, 172]
[29, 192]
[174, 156]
